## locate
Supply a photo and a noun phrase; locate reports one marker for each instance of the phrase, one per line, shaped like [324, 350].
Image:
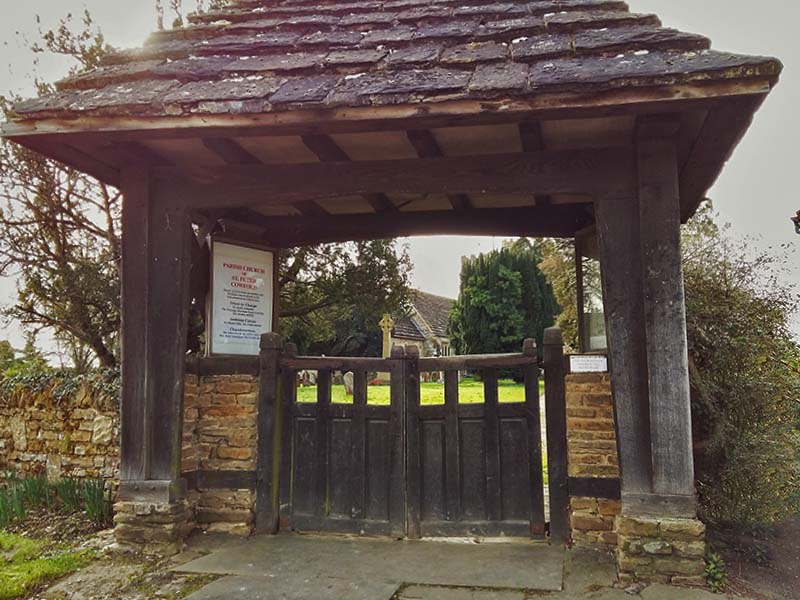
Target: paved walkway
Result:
[331, 568]
[304, 566]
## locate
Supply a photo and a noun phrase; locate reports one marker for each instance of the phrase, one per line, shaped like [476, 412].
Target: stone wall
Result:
[661, 550]
[592, 455]
[219, 446]
[75, 435]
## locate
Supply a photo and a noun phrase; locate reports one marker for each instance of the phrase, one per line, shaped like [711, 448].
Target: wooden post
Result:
[621, 272]
[531, 375]
[268, 461]
[665, 311]
[134, 446]
[412, 437]
[155, 302]
[556, 413]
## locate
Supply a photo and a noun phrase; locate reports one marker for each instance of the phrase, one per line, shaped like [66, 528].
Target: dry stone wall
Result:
[72, 436]
[592, 455]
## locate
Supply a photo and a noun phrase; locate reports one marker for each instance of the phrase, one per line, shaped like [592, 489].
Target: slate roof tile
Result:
[356, 52]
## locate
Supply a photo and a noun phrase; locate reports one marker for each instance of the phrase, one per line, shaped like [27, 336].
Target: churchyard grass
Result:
[29, 563]
[470, 391]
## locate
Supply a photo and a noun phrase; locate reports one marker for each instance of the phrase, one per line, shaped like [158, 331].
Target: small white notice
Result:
[241, 298]
[588, 363]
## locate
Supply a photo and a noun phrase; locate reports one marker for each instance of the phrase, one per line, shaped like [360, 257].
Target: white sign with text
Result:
[242, 298]
[588, 363]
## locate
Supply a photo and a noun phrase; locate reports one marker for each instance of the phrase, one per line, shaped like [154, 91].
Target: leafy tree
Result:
[61, 234]
[333, 295]
[745, 375]
[503, 299]
[7, 355]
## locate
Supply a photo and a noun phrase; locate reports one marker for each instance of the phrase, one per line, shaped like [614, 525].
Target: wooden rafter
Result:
[327, 150]
[234, 153]
[427, 147]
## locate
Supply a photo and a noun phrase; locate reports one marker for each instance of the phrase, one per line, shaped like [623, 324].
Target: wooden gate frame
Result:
[278, 365]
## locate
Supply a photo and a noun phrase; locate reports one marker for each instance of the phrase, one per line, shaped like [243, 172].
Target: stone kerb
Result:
[592, 455]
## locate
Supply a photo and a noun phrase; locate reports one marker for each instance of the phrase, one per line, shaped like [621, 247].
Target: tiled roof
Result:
[405, 329]
[274, 55]
[435, 310]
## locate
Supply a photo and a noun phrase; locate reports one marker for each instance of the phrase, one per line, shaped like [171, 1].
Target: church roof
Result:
[269, 56]
[433, 310]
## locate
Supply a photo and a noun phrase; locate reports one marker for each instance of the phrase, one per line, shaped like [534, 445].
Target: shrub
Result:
[745, 375]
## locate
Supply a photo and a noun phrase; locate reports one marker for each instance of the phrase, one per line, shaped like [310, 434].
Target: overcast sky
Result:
[757, 192]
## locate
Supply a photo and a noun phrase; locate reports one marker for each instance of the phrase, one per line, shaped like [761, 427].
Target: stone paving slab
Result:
[418, 592]
[282, 588]
[295, 560]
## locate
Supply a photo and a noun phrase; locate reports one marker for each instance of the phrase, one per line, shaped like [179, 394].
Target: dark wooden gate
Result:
[402, 469]
[344, 462]
[475, 469]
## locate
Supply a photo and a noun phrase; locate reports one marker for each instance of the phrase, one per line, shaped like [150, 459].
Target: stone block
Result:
[227, 452]
[683, 529]
[586, 522]
[102, 430]
[609, 508]
[657, 547]
[19, 433]
[695, 549]
[578, 503]
[637, 526]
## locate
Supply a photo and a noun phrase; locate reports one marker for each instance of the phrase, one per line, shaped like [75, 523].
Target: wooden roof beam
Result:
[427, 147]
[234, 153]
[550, 221]
[579, 172]
[327, 150]
[530, 135]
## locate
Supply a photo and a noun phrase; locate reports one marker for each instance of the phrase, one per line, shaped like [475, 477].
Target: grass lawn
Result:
[25, 564]
[469, 392]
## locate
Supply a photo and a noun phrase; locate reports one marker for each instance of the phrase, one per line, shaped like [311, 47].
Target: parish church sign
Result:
[242, 298]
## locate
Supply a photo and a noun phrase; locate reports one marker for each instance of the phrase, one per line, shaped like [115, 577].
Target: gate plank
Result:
[358, 436]
[494, 486]
[412, 439]
[397, 456]
[531, 374]
[321, 469]
[452, 447]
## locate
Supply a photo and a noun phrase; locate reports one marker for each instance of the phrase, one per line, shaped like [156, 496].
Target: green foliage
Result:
[36, 491]
[28, 565]
[12, 505]
[745, 378]
[334, 295]
[715, 573]
[97, 501]
[504, 298]
[63, 384]
[69, 492]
